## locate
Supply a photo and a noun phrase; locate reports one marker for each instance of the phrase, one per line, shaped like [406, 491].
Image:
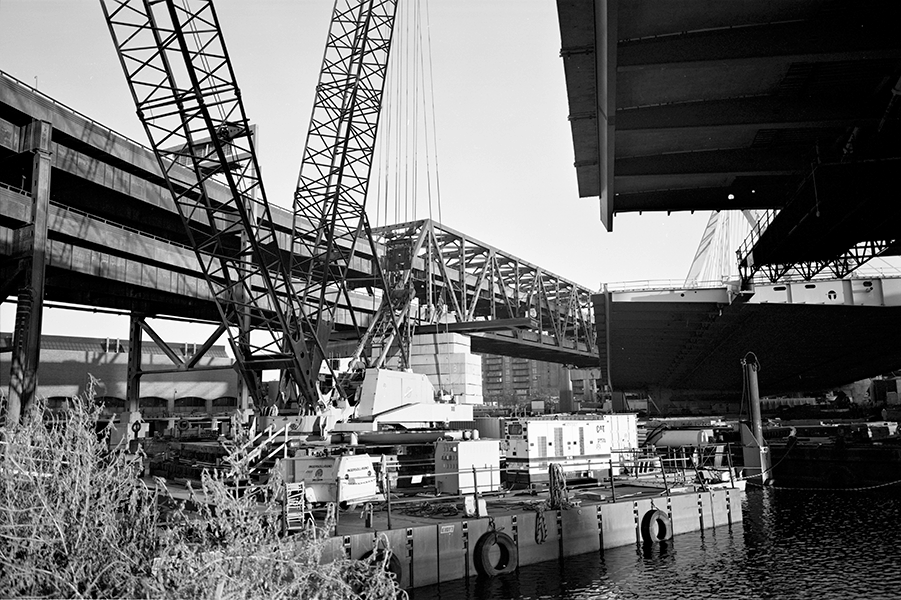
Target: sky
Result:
[504, 147]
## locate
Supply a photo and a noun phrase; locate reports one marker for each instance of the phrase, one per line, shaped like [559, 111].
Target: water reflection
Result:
[791, 544]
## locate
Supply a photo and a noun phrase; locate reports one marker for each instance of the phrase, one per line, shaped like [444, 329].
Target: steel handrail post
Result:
[663, 473]
[475, 490]
[386, 485]
[337, 503]
[612, 484]
[729, 456]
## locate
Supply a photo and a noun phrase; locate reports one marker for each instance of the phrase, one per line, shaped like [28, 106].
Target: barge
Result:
[470, 512]
[518, 530]
[441, 496]
[426, 539]
[840, 455]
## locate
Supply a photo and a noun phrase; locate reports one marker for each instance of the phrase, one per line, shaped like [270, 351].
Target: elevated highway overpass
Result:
[791, 108]
[112, 239]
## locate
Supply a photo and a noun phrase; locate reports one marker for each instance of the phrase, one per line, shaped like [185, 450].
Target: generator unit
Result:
[348, 479]
[583, 446]
[461, 466]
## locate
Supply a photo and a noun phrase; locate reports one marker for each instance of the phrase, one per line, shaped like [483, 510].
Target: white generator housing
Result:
[461, 466]
[350, 479]
[582, 446]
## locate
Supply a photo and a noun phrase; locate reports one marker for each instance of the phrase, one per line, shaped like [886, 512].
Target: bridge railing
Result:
[890, 269]
[643, 285]
[144, 234]
[757, 230]
[13, 188]
[97, 126]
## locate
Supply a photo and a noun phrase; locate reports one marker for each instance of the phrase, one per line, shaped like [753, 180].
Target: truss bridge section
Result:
[507, 305]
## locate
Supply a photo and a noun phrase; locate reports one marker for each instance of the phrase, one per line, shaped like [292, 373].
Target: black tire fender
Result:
[392, 565]
[656, 526]
[508, 560]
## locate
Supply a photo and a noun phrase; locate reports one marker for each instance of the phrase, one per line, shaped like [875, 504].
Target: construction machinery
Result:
[277, 292]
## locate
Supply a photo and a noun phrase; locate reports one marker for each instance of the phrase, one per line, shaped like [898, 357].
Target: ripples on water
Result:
[792, 544]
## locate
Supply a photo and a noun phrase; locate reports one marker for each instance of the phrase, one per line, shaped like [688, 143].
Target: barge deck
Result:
[435, 539]
[436, 548]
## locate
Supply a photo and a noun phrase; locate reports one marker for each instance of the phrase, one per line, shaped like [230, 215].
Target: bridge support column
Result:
[566, 391]
[132, 412]
[32, 240]
[133, 385]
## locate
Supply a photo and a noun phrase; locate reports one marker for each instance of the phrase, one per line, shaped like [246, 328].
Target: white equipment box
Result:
[455, 461]
[349, 479]
[582, 446]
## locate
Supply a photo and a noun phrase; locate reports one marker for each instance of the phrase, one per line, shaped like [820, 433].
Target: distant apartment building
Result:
[508, 380]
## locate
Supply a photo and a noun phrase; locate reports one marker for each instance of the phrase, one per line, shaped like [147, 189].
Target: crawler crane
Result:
[278, 293]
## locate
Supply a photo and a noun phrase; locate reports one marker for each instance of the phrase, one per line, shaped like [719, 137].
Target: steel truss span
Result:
[460, 284]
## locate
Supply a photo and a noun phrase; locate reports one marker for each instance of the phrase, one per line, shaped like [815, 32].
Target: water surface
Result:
[791, 544]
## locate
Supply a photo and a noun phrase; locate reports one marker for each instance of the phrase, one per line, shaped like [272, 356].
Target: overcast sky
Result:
[505, 157]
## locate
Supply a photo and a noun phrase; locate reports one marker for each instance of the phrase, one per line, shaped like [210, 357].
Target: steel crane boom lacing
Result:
[177, 67]
[184, 89]
[331, 228]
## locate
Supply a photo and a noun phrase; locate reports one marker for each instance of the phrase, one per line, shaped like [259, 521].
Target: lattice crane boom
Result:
[330, 224]
[184, 89]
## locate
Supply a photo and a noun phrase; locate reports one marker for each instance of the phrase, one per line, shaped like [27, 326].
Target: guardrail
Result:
[50, 100]
[15, 189]
[756, 231]
[643, 285]
[867, 271]
[88, 215]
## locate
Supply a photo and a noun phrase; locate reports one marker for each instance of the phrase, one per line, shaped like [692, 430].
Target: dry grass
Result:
[76, 522]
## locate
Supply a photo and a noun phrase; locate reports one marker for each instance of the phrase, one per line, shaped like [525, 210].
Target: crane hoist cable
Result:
[414, 95]
[431, 78]
[407, 148]
[430, 71]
